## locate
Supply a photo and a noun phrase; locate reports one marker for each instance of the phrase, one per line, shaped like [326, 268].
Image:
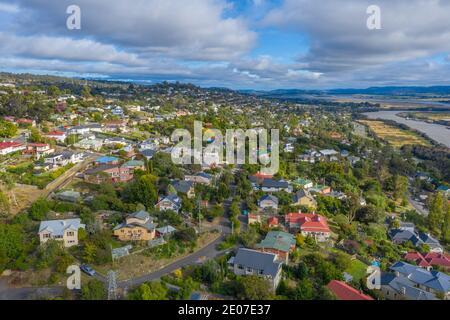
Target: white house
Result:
[11, 147]
[60, 230]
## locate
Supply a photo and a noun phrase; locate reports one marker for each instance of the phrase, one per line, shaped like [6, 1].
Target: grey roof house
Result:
[262, 264]
[411, 282]
[399, 236]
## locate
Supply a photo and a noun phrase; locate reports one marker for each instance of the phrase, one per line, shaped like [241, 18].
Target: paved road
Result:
[7, 293]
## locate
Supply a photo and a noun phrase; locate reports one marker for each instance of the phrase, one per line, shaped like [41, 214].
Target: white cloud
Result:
[8, 8]
[192, 29]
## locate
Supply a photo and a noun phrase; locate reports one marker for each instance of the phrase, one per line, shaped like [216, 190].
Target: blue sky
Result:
[240, 44]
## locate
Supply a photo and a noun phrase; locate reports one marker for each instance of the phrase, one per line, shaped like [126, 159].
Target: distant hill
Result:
[392, 91]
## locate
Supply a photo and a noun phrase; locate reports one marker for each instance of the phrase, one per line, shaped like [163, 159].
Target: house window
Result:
[70, 234]
[249, 270]
[240, 267]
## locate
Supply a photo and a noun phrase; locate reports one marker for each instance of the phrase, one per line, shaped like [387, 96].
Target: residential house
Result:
[201, 178]
[26, 122]
[185, 187]
[305, 199]
[148, 153]
[166, 231]
[11, 147]
[273, 222]
[85, 129]
[254, 219]
[253, 262]
[107, 160]
[409, 282]
[303, 183]
[429, 260]
[268, 202]
[134, 165]
[108, 174]
[320, 189]
[271, 185]
[39, 150]
[59, 136]
[279, 243]
[89, 144]
[309, 224]
[343, 291]
[151, 144]
[138, 226]
[64, 158]
[399, 236]
[65, 231]
[171, 202]
[115, 126]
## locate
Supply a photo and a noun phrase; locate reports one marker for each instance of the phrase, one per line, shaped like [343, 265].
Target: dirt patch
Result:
[136, 265]
[25, 196]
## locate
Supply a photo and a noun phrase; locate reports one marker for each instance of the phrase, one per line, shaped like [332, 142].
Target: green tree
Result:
[35, 136]
[436, 216]
[369, 214]
[150, 291]
[93, 290]
[253, 288]
[89, 252]
[142, 190]
[7, 129]
[39, 210]
[12, 245]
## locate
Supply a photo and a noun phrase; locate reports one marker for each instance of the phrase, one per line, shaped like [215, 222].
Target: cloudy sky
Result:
[259, 44]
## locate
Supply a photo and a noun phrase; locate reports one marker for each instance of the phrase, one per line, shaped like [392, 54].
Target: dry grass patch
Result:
[395, 136]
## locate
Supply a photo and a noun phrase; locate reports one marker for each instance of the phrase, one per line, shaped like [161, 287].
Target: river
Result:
[437, 132]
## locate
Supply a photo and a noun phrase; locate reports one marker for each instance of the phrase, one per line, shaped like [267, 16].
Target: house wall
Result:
[69, 239]
[319, 236]
[134, 234]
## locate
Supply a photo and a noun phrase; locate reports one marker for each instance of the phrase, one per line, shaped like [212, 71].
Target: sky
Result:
[239, 44]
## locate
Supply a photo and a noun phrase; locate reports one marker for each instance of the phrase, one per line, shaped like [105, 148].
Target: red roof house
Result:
[11, 147]
[273, 222]
[309, 224]
[431, 259]
[345, 292]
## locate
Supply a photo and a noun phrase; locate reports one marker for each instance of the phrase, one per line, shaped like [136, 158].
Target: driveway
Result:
[420, 208]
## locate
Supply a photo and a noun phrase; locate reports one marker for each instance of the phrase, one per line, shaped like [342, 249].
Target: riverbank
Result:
[438, 133]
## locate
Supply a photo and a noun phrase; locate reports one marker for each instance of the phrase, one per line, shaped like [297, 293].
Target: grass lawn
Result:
[357, 269]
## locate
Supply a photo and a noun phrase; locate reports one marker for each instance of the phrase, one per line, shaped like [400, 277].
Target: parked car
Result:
[88, 270]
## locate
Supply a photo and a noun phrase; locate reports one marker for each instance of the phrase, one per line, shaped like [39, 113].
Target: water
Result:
[437, 132]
